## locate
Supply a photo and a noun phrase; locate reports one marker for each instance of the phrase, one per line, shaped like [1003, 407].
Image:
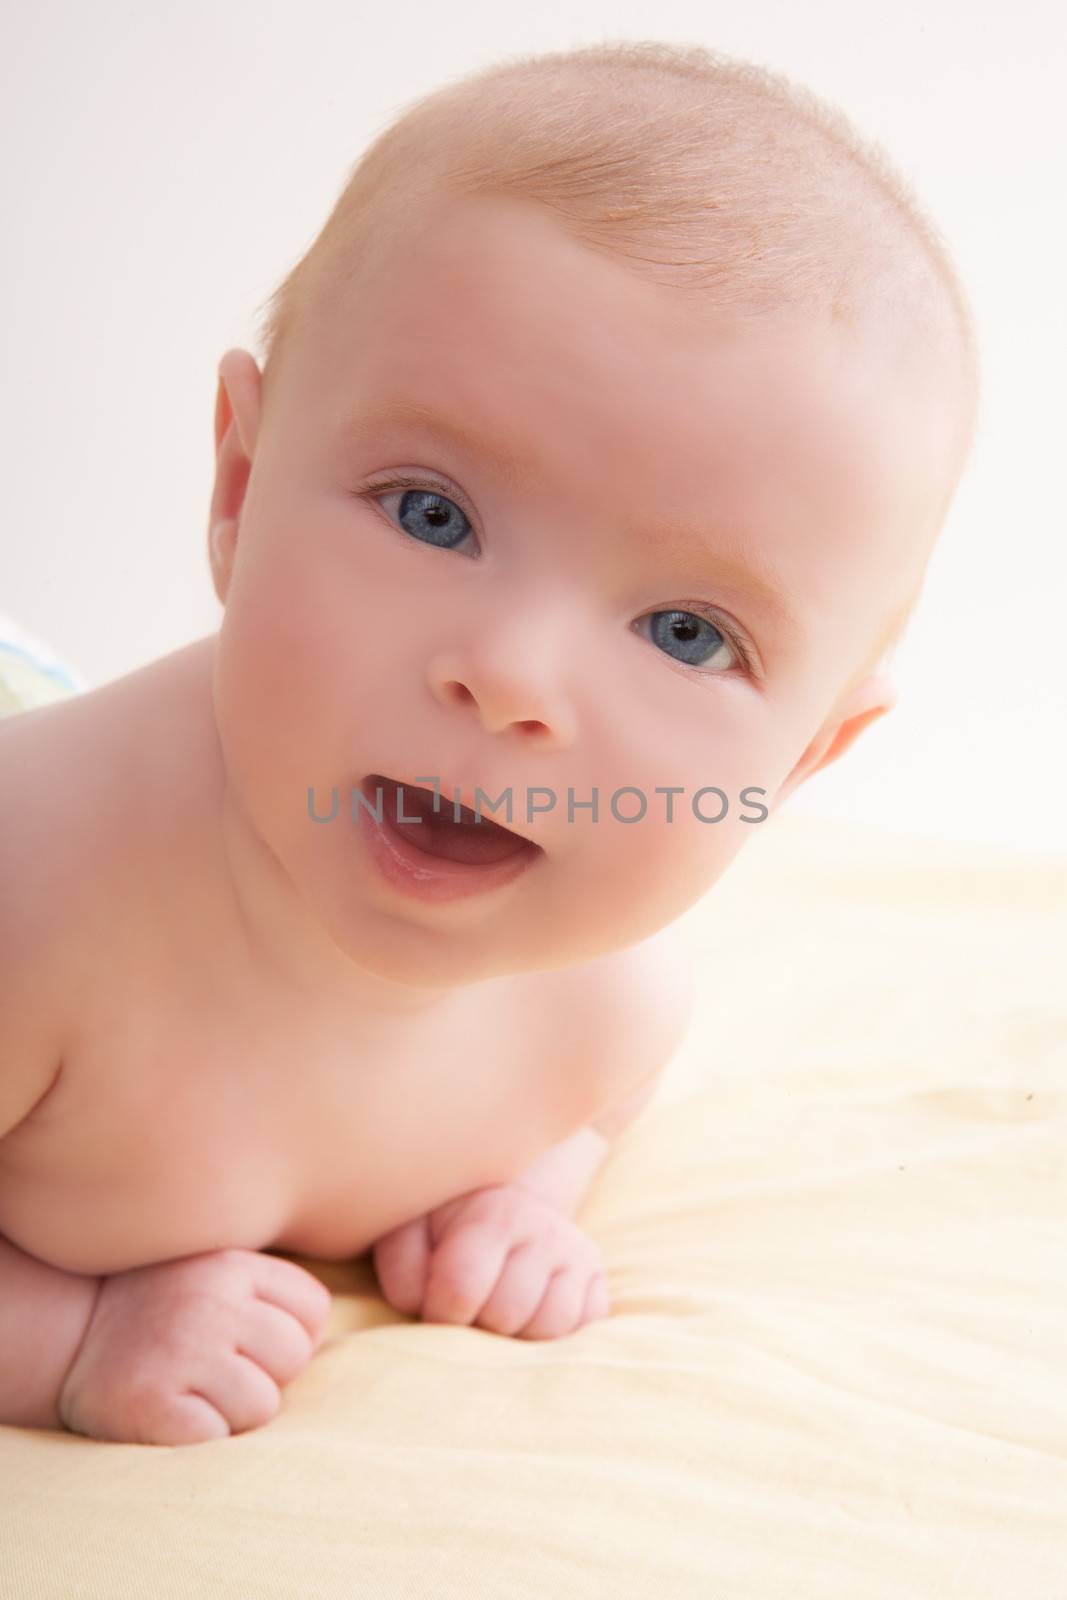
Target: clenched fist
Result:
[193, 1349]
[497, 1258]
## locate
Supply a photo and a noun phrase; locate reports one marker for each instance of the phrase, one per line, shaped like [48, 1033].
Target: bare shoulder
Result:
[78, 781]
[31, 917]
[632, 1009]
[62, 766]
[643, 977]
[650, 989]
[35, 791]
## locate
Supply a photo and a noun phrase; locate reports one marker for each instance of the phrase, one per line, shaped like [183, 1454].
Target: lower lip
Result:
[433, 878]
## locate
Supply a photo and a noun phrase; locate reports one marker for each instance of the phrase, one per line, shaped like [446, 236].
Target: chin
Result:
[401, 950]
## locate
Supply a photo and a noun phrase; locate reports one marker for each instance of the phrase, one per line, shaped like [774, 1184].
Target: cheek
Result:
[625, 882]
[647, 871]
[275, 676]
[307, 658]
[358, 604]
[304, 626]
[723, 735]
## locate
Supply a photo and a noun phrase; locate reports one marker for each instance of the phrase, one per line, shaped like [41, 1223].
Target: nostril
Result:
[457, 693]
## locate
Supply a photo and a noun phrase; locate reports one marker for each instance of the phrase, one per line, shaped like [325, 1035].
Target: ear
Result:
[869, 699]
[237, 411]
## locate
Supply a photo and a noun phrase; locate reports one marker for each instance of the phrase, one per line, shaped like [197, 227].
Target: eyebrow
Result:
[469, 441]
[730, 568]
[747, 577]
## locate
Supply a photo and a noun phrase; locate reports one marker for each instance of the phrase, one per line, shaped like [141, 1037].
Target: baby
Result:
[601, 443]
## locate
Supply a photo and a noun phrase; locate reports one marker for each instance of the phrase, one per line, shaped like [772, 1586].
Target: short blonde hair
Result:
[711, 176]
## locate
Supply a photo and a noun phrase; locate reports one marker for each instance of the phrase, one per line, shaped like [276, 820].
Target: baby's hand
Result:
[499, 1258]
[183, 1351]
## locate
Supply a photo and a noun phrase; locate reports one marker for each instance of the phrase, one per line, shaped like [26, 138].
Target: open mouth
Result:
[447, 833]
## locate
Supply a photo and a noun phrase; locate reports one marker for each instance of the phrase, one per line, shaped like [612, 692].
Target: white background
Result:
[163, 167]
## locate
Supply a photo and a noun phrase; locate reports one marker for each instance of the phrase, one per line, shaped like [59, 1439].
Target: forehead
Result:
[571, 374]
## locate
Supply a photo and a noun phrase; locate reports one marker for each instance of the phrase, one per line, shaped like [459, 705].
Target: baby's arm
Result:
[563, 1173]
[644, 1015]
[175, 1352]
[44, 1313]
[510, 1257]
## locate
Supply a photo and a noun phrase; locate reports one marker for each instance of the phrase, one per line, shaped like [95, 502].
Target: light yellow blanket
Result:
[836, 1365]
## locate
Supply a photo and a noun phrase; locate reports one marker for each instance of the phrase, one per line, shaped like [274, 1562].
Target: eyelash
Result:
[697, 608]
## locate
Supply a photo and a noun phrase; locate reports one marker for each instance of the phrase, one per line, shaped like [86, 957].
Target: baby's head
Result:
[602, 439]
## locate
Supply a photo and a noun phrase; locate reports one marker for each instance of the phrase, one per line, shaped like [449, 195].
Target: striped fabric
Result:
[31, 672]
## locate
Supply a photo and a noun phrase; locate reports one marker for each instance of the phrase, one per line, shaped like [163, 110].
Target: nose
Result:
[504, 697]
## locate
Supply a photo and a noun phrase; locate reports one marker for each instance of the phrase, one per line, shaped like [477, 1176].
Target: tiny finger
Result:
[275, 1340]
[560, 1309]
[518, 1291]
[401, 1260]
[462, 1272]
[292, 1287]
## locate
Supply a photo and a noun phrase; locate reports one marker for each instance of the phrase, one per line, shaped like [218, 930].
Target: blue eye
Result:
[691, 639]
[433, 518]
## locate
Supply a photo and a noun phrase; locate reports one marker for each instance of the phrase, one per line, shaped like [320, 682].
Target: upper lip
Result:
[447, 793]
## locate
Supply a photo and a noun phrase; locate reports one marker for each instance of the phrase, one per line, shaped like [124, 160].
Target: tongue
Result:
[472, 841]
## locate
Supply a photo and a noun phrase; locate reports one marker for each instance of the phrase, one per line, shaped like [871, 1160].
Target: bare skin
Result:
[200, 1106]
[239, 1036]
[198, 1114]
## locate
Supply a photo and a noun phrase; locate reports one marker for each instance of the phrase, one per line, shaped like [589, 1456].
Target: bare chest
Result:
[175, 1128]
